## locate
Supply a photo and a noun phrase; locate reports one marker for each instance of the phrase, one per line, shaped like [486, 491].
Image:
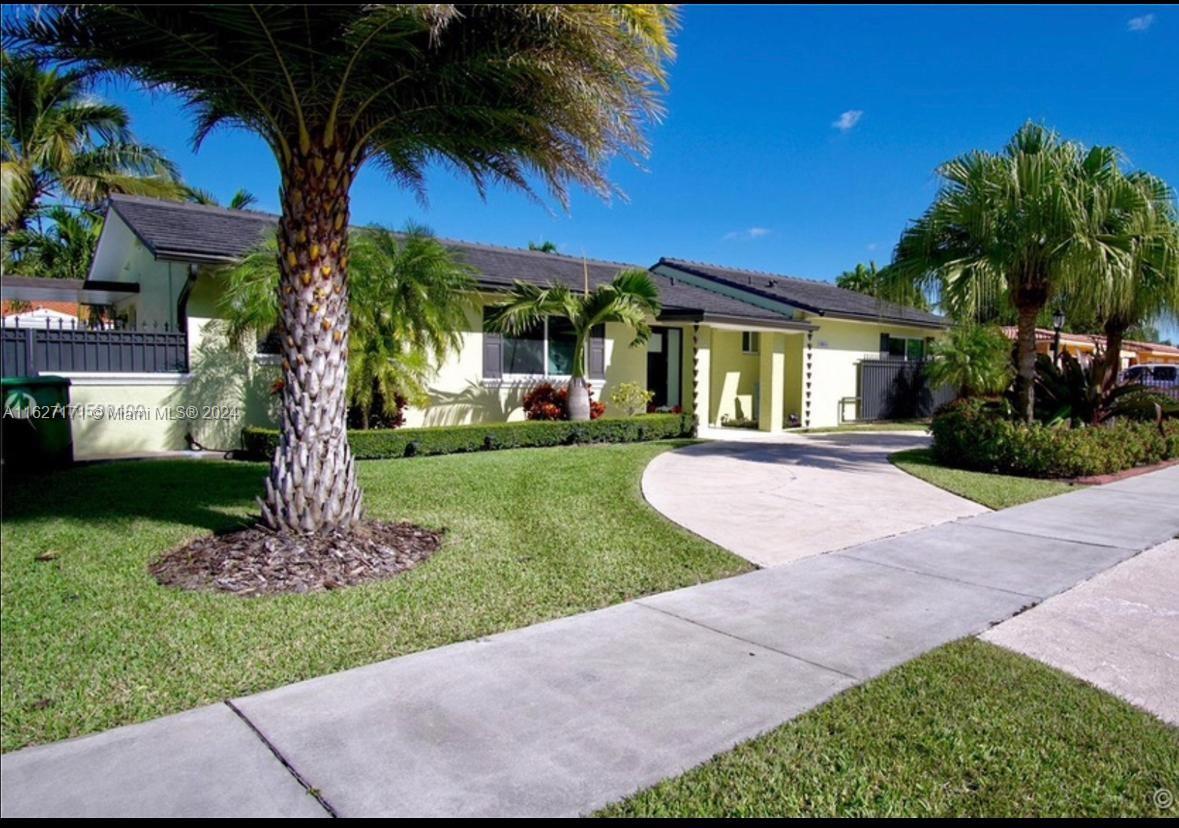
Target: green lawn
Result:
[967, 730]
[996, 491]
[91, 641]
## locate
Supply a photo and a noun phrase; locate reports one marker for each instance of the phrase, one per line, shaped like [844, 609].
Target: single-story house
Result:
[729, 345]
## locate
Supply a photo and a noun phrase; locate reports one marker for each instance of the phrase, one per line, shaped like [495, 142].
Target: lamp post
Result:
[1057, 326]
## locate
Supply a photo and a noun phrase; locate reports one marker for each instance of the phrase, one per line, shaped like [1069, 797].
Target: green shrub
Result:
[259, 443]
[972, 434]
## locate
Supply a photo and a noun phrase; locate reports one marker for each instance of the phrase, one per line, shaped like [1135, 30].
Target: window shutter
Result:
[597, 353]
[493, 352]
[884, 346]
[493, 355]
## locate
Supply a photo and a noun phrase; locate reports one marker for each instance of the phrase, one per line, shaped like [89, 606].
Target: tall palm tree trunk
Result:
[1115, 333]
[1025, 379]
[312, 482]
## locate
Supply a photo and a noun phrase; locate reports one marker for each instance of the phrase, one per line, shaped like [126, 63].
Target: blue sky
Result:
[797, 140]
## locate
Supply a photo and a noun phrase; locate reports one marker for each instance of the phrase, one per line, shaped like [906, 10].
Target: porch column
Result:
[701, 373]
[771, 412]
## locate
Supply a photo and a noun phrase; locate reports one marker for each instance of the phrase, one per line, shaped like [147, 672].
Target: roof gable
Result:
[810, 295]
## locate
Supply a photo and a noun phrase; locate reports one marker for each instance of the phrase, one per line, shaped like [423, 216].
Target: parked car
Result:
[1161, 378]
[1151, 374]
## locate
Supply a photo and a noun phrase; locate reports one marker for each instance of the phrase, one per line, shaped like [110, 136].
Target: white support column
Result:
[772, 382]
[701, 373]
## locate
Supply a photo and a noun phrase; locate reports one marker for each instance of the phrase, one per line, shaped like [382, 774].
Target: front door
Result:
[664, 358]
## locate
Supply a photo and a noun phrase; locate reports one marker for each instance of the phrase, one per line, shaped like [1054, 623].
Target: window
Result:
[907, 348]
[544, 351]
[562, 342]
[750, 341]
[524, 353]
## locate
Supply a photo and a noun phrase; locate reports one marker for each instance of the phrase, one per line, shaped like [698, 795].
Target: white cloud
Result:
[748, 233]
[848, 119]
[1140, 24]
[872, 246]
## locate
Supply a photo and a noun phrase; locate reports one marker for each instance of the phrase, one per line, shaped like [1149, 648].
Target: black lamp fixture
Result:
[1057, 327]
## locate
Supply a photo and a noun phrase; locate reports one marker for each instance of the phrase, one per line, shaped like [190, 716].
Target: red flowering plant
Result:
[544, 402]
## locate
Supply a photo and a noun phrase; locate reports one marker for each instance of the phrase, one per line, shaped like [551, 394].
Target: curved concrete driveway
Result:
[775, 499]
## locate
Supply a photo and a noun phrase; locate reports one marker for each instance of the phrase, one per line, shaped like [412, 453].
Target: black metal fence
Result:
[30, 349]
[896, 389]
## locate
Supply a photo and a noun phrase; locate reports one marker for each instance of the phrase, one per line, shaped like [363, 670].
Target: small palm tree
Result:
[631, 299]
[409, 299]
[1012, 226]
[973, 359]
[60, 143]
[506, 94]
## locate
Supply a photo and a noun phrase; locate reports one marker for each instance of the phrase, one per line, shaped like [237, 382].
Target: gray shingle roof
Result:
[811, 295]
[192, 232]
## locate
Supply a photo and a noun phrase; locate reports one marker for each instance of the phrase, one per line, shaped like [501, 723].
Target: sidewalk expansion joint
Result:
[1039, 536]
[760, 646]
[312, 791]
[898, 568]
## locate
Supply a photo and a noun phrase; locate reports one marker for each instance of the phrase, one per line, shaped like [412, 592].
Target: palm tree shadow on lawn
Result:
[214, 495]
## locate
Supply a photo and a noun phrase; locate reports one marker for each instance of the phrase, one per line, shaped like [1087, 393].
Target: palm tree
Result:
[1011, 227]
[873, 281]
[1142, 287]
[63, 249]
[408, 297]
[861, 280]
[631, 299]
[243, 199]
[974, 359]
[505, 94]
[60, 143]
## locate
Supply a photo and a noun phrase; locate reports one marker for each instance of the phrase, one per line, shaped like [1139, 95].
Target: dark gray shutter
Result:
[884, 346]
[493, 352]
[597, 353]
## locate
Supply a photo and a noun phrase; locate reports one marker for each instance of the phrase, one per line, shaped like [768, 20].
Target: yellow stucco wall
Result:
[734, 378]
[837, 348]
[459, 394]
[123, 258]
[134, 414]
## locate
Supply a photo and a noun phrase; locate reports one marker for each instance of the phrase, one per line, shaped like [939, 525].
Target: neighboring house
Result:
[43, 314]
[1085, 346]
[727, 344]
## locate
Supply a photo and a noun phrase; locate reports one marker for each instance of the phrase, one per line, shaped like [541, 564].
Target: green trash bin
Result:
[36, 426]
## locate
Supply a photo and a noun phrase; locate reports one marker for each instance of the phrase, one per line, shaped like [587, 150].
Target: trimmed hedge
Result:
[970, 434]
[375, 444]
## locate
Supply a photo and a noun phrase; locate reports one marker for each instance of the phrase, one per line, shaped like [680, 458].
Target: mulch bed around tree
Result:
[258, 561]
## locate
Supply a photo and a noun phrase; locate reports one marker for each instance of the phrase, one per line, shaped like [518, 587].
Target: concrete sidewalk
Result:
[564, 717]
[1119, 631]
